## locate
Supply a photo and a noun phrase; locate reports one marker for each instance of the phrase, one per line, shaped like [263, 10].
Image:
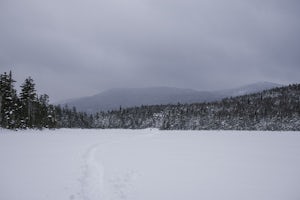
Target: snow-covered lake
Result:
[149, 165]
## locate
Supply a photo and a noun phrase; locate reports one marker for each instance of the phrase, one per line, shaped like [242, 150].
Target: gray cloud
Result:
[74, 48]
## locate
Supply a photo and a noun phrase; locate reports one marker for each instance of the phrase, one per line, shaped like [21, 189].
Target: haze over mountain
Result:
[78, 48]
[130, 97]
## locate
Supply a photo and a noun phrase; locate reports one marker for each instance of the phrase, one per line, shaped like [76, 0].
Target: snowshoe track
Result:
[92, 181]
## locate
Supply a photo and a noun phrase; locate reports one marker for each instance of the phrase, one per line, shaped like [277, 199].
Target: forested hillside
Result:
[275, 109]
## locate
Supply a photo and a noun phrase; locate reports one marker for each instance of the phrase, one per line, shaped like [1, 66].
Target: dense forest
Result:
[275, 109]
[30, 110]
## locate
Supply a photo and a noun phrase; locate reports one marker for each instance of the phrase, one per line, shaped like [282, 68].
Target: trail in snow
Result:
[92, 178]
[95, 183]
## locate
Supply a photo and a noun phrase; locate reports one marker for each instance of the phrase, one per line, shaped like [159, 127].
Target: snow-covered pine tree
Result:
[29, 102]
[9, 101]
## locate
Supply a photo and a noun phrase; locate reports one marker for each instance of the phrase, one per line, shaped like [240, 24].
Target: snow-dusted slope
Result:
[249, 89]
[149, 164]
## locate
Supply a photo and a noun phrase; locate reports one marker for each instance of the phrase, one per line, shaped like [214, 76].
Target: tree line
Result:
[275, 109]
[30, 110]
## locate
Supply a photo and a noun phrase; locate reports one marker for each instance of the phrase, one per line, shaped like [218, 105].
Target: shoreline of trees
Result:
[30, 110]
[275, 109]
[26, 110]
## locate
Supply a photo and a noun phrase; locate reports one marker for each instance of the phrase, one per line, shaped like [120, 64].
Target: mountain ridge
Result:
[130, 97]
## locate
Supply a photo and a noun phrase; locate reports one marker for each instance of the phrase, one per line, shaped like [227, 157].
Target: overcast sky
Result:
[74, 48]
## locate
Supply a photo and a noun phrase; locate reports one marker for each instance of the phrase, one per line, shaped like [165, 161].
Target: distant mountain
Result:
[130, 97]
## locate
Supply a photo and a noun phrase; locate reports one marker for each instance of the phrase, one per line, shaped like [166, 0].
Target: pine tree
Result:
[29, 102]
[41, 116]
[8, 102]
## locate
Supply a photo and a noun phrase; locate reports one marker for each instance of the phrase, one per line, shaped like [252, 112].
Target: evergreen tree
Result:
[8, 101]
[42, 111]
[28, 99]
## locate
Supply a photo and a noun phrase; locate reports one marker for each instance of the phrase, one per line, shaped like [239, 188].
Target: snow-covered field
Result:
[149, 165]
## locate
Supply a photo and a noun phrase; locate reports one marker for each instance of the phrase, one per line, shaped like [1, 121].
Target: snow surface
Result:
[149, 164]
